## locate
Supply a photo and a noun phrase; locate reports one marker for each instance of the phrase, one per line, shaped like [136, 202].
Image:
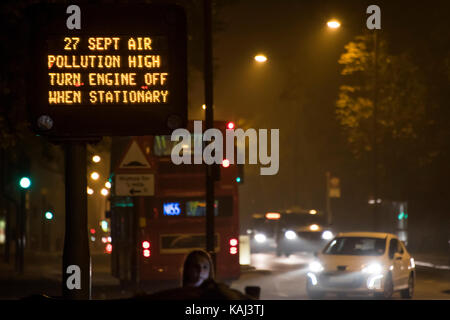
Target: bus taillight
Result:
[233, 246]
[145, 244]
[146, 249]
[146, 253]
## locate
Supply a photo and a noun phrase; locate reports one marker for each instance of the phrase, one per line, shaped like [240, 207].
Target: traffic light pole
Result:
[76, 267]
[209, 123]
[20, 247]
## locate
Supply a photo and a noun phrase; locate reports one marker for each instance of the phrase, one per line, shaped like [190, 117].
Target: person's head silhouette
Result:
[197, 268]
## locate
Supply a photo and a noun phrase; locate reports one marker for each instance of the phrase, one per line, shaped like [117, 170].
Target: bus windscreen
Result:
[198, 208]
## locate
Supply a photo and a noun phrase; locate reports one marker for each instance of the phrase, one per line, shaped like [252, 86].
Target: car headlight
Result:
[260, 237]
[373, 268]
[315, 266]
[290, 235]
[327, 235]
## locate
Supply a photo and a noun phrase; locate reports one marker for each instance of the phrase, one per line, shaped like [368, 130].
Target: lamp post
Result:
[335, 24]
[375, 120]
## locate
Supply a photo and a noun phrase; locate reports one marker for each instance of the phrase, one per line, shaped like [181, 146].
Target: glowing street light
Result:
[90, 191]
[108, 184]
[204, 107]
[96, 158]
[333, 24]
[260, 58]
[104, 192]
[95, 175]
[312, 211]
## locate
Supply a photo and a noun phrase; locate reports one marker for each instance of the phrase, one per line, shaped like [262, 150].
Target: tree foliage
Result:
[401, 109]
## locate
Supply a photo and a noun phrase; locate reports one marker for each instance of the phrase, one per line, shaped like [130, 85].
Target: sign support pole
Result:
[21, 233]
[76, 267]
[209, 123]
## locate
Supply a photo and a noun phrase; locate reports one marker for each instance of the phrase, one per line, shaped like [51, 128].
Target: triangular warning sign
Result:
[134, 158]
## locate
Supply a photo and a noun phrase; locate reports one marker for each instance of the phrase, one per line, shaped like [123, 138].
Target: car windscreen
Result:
[356, 246]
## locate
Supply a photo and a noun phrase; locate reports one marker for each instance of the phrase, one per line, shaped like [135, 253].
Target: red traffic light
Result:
[226, 163]
[230, 125]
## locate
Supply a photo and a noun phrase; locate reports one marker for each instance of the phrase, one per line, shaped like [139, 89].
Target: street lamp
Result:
[95, 175]
[260, 58]
[96, 158]
[333, 24]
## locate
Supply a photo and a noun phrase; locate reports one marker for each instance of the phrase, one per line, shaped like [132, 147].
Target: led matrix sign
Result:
[108, 70]
[124, 72]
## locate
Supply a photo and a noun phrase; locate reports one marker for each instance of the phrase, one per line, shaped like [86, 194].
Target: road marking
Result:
[430, 265]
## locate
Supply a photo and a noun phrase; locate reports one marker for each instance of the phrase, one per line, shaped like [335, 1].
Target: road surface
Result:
[282, 278]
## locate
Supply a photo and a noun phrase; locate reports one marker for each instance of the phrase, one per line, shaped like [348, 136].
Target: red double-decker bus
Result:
[152, 234]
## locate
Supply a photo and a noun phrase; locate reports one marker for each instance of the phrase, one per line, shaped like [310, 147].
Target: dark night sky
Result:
[294, 37]
[303, 56]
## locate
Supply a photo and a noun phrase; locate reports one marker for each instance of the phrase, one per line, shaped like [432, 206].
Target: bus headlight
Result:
[290, 235]
[327, 235]
[260, 237]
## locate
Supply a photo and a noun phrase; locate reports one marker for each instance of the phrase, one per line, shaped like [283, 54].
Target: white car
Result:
[362, 263]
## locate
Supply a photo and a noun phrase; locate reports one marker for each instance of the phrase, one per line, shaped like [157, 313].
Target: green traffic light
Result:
[238, 179]
[49, 215]
[25, 182]
[402, 215]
